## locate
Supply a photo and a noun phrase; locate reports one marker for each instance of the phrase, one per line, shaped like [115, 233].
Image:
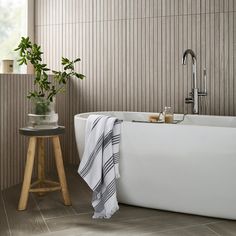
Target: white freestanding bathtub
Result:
[187, 167]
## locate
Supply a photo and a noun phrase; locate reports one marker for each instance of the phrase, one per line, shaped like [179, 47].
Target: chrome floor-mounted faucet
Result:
[195, 93]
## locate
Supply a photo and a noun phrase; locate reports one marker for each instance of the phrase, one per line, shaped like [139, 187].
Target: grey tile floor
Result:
[47, 216]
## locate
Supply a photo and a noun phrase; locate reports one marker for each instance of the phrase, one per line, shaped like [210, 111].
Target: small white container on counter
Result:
[7, 66]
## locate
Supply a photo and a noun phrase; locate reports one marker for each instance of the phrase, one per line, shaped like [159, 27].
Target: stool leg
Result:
[41, 163]
[60, 170]
[28, 174]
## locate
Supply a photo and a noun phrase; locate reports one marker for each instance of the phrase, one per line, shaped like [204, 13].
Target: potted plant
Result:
[45, 87]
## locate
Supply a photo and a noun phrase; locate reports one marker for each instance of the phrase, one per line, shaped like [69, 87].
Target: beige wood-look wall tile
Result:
[173, 8]
[231, 64]
[50, 39]
[176, 8]
[103, 67]
[164, 7]
[37, 14]
[142, 8]
[130, 9]
[199, 46]
[133, 62]
[219, 5]
[226, 64]
[185, 4]
[157, 8]
[208, 44]
[221, 79]
[213, 56]
[168, 68]
[151, 8]
[185, 67]
[226, 6]
[122, 9]
[113, 55]
[172, 61]
[129, 72]
[150, 65]
[69, 9]
[218, 64]
[234, 60]
[14, 109]
[189, 7]
[143, 76]
[139, 4]
[158, 61]
[222, 4]
[89, 10]
[115, 10]
[123, 62]
[163, 62]
[176, 62]
[180, 7]
[48, 12]
[231, 5]
[203, 5]
[139, 64]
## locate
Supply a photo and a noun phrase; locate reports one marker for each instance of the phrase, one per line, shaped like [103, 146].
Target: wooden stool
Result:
[39, 136]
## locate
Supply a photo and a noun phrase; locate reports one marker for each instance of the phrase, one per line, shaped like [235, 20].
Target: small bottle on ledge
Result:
[168, 115]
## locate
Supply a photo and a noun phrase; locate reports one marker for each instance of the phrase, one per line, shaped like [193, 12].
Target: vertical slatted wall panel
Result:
[13, 115]
[131, 53]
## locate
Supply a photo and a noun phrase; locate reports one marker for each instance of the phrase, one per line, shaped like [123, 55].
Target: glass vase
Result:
[43, 115]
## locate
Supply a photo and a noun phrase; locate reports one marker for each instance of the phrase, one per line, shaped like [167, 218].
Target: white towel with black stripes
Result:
[99, 166]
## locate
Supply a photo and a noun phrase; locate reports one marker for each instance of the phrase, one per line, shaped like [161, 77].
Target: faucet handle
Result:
[204, 92]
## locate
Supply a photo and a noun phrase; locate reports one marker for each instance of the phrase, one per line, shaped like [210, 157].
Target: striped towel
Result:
[99, 164]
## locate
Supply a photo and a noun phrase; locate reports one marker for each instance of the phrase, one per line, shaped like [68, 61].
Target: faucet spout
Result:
[193, 55]
[195, 91]
[194, 65]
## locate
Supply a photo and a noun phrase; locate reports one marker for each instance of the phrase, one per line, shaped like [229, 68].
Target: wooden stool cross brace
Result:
[42, 185]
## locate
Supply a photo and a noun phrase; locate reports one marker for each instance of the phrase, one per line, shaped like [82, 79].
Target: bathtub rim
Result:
[81, 117]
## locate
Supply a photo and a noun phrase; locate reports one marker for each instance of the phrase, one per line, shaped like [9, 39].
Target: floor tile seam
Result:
[177, 228]
[213, 230]
[6, 215]
[40, 212]
[85, 213]
[75, 214]
[189, 226]
[154, 216]
[58, 217]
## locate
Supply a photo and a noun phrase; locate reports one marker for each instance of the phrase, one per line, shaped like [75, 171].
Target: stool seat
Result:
[43, 185]
[42, 132]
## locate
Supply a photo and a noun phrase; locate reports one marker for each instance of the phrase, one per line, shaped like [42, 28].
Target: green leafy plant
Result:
[45, 90]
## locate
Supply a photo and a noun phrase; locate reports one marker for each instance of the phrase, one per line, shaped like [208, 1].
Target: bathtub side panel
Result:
[80, 125]
[189, 169]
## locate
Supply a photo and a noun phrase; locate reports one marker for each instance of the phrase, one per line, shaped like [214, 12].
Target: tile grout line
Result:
[41, 213]
[75, 214]
[190, 226]
[73, 209]
[212, 230]
[5, 211]
[134, 18]
[177, 228]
